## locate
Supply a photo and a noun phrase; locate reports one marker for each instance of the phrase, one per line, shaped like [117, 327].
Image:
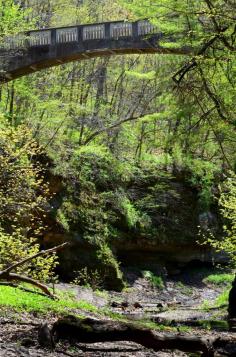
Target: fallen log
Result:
[91, 330]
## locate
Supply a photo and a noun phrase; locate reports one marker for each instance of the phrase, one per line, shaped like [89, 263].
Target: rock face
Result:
[169, 237]
[84, 254]
[173, 238]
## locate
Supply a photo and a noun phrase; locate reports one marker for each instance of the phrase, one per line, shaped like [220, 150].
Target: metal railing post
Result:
[107, 30]
[80, 33]
[53, 37]
[27, 42]
[135, 28]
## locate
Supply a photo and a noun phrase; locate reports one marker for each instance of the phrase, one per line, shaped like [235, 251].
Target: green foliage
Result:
[102, 293]
[183, 18]
[185, 289]
[221, 301]
[116, 167]
[106, 255]
[16, 247]
[227, 204]
[223, 298]
[141, 76]
[214, 324]
[20, 178]
[23, 196]
[203, 175]
[13, 18]
[130, 212]
[61, 219]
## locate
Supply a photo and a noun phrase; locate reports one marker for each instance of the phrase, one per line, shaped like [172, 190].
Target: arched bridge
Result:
[35, 50]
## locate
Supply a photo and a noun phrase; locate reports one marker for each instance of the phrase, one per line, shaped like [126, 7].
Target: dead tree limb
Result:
[25, 279]
[15, 285]
[8, 276]
[26, 260]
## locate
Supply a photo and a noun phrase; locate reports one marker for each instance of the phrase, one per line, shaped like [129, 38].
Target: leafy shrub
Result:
[15, 247]
[156, 281]
[131, 214]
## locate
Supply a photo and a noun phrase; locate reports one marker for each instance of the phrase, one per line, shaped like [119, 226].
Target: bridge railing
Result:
[109, 30]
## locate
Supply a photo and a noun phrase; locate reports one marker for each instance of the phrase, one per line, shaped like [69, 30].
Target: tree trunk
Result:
[232, 306]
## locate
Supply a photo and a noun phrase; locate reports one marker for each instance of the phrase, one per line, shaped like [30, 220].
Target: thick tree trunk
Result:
[232, 307]
[232, 301]
[91, 330]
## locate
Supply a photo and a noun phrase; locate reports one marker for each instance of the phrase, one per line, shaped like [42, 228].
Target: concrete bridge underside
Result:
[42, 49]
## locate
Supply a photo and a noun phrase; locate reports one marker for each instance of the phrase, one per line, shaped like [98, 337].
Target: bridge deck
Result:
[35, 50]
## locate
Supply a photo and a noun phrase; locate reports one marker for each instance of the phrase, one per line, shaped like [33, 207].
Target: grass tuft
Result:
[219, 279]
[155, 280]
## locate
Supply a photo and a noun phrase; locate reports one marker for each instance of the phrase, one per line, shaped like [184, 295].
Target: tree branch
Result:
[8, 276]
[193, 63]
[26, 260]
[213, 97]
[115, 125]
[25, 279]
